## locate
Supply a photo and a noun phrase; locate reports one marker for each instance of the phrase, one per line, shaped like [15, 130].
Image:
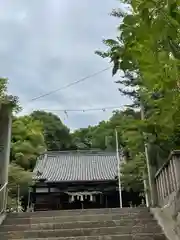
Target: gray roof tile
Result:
[76, 166]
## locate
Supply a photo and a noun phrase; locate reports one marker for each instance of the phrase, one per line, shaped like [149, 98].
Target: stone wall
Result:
[5, 139]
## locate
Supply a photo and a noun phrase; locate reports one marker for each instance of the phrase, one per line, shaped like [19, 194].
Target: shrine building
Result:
[76, 179]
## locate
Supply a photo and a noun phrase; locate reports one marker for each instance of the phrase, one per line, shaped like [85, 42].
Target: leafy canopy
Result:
[27, 141]
[56, 134]
[147, 51]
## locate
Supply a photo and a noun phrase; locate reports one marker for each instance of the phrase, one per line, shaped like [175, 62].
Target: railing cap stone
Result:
[174, 153]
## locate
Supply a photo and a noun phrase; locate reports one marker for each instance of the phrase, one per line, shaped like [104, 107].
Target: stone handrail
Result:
[167, 179]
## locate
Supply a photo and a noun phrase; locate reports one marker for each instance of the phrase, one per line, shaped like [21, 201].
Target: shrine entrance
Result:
[85, 200]
[81, 200]
[76, 200]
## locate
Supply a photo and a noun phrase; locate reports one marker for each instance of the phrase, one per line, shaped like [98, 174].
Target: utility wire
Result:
[82, 79]
[70, 84]
[83, 110]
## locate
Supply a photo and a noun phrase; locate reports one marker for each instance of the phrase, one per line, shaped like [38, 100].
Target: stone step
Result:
[107, 237]
[80, 232]
[78, 224]
[24, 219]
[80, 212]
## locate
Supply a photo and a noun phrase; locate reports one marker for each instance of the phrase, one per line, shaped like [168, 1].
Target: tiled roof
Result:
[76, 166]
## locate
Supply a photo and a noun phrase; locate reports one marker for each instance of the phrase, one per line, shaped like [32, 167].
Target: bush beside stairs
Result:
[87, 224]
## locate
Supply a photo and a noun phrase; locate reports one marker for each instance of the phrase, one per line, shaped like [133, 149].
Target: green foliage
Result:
[12, 101]
[27, 141]
[147, 50]
[3, 88]
[56, 134]
[102, 137]
[18, 177]
[132, 174]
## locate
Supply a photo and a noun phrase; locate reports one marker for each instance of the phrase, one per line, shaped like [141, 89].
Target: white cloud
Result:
[47, 44]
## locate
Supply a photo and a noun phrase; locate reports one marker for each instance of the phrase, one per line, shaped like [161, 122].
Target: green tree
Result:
[27, 141]
[56, 134]
[18, 178]
[12, 101]
[146, 50]
[132, 174]
[82, 138]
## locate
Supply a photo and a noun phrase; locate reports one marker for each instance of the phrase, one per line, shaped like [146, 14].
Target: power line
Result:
[83, 110]
[70, 84]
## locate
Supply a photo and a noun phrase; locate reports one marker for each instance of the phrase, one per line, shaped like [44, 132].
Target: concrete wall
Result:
[5, 140]
[168, 224]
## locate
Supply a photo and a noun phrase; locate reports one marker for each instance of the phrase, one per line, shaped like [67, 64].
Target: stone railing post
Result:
[176, 161]
[5, 141]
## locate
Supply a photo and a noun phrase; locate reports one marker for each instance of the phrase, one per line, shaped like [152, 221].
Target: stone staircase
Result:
[87, 224]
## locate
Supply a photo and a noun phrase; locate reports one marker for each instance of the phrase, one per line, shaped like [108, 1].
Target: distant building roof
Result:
[76, 166]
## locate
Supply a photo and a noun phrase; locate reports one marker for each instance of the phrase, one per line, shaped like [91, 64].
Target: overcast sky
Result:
[46, 44]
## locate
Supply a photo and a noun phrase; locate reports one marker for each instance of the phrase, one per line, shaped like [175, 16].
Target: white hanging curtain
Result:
[82, 196]
[91, 198]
